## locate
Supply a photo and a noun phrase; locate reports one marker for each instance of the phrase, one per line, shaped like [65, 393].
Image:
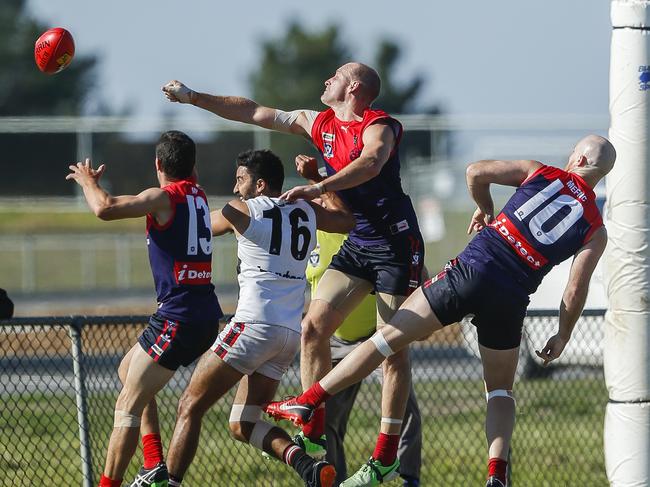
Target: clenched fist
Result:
[175, 91]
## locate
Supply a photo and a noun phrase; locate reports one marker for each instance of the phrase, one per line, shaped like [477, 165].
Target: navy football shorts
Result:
[173, 343]
[393, 268]
[459, 290]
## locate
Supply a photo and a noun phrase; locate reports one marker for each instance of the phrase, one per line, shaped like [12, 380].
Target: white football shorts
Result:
[256, 347]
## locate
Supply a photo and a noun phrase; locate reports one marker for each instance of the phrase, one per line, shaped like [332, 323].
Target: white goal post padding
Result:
[627, 258]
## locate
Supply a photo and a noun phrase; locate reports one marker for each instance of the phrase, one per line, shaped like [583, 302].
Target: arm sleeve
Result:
[282, 120]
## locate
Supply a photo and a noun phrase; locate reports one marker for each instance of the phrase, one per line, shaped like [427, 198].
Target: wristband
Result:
[321, 187]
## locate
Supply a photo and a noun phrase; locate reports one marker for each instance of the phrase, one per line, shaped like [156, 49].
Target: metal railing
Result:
[58, 385]
[60, 262]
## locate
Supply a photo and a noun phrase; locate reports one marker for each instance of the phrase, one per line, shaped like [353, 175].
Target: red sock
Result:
[104, 481]
[316, 426]
[497, 467]
[152, 450]
[313, 396]
[386, 449]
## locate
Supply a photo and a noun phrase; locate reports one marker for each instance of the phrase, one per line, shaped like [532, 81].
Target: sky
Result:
[478, 57]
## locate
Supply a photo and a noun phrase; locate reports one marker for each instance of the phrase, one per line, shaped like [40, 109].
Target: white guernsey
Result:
[272, 253]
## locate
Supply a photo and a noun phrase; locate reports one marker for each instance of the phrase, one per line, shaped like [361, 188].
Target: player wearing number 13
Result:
[187, 320]
[551, 217]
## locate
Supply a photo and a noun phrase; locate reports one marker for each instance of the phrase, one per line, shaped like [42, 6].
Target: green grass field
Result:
[558, 437]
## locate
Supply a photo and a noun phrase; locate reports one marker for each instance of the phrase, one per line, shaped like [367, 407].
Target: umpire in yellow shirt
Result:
[356, 328]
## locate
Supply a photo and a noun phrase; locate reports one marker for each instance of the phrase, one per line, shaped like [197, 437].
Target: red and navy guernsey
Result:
[547, 220]
[180, 254]
[380, 206]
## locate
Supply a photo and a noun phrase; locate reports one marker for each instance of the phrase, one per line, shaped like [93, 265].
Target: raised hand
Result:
[83, 172]
[177, 92]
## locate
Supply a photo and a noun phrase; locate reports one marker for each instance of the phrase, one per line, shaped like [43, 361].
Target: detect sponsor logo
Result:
[193, 273]
[519, 244]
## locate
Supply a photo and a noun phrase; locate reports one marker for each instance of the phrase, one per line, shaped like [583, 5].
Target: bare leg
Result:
[499, 368]
[395, 390]
[396, 369]
[144, 378]
[257, 390]
[318, 325]
[211, 379]
[336, 295]
[414, 320]
[149, 422]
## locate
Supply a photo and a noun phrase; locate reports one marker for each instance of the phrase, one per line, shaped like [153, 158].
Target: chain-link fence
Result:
[58, 385]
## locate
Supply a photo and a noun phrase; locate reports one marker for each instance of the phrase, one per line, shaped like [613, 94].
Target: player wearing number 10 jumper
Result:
[551, 217]
[179, 238]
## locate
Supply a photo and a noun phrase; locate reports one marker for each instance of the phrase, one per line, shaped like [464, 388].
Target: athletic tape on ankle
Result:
[260, 430]
[391, 421]
[125, 420]
[499, 393]
[247, 413]
[382, 345]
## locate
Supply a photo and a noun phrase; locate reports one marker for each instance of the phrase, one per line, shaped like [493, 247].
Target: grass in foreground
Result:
[558, 437]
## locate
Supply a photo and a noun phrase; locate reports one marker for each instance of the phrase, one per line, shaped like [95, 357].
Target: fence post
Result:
[80, 393]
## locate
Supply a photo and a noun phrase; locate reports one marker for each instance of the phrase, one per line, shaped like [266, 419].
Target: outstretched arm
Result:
[242, 109]
[481, 174]
[575, 294]
[107, 207]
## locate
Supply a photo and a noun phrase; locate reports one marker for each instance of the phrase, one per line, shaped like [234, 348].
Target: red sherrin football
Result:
[54, 50]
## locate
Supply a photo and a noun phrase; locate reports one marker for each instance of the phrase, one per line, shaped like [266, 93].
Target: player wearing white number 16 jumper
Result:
[274, 240]
[551, 217]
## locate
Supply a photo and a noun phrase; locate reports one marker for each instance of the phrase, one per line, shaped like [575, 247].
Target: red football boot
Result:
[291, 410]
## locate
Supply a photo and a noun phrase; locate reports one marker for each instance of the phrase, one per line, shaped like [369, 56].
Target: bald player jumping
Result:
[551, 217]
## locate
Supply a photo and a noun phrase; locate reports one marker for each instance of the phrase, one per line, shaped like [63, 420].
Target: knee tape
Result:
[260, 430]
[382, 345]
[126, 420]
[500, 393]
[247, 413]
[391, 420]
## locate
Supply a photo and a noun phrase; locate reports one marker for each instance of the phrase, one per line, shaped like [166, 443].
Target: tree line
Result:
[291, 74]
